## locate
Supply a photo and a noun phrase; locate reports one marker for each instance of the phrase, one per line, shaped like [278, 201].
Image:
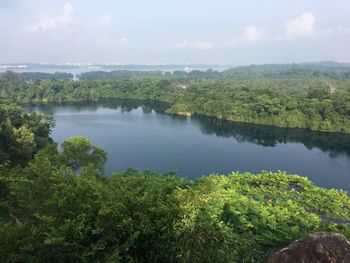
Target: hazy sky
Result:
[174, 31]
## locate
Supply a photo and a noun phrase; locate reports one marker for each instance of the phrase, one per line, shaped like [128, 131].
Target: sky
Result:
[226, 32]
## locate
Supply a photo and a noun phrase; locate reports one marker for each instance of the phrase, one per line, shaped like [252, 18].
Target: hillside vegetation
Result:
[56, 206]
[282, 96]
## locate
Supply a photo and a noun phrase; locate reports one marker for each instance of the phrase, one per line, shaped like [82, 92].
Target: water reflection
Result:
[139, 134]
[334, 144]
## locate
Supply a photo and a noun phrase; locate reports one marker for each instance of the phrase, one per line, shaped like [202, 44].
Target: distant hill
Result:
[316, 66]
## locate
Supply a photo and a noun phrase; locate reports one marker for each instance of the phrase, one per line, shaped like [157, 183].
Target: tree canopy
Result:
[314, 99]
[56, 206]
[79, 153]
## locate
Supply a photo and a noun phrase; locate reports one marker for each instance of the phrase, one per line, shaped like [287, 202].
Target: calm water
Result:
[139, 135]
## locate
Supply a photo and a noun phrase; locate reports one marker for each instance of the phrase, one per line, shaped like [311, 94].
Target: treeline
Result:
[333, 144]
[56, 207]
[293, 98]
[117, 74]
[32, 76]
[325, 66]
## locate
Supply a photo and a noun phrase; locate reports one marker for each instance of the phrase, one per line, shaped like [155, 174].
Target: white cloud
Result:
[251, 34]
[53, 23]
[305, 25]
[201, 45]
[297, 27]
[301, 26]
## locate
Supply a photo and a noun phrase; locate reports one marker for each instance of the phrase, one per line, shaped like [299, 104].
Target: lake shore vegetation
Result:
[55, 206]
[317, 100]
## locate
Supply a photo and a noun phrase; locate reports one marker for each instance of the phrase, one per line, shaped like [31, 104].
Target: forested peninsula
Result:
[314, 98]
[55, 206]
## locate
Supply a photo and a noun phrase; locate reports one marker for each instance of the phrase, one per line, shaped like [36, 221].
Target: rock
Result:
[320, 247]
[184, 113]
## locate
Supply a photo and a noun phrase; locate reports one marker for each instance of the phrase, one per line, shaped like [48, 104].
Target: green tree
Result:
[79, 154]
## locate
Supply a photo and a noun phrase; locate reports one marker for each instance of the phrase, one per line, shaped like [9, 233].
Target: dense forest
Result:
[56, 207]
[32, 76]
[293, 97]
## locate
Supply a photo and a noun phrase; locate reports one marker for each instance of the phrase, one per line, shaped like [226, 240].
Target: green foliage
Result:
[33, 76]
[21, 134]
[55, 206]
[54, 215]
[78, 153]
[286, 96]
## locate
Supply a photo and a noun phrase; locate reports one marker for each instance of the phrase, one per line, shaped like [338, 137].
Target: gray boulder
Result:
[320, 247]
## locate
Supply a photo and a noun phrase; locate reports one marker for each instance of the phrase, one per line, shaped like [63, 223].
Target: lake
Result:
[140, 135]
